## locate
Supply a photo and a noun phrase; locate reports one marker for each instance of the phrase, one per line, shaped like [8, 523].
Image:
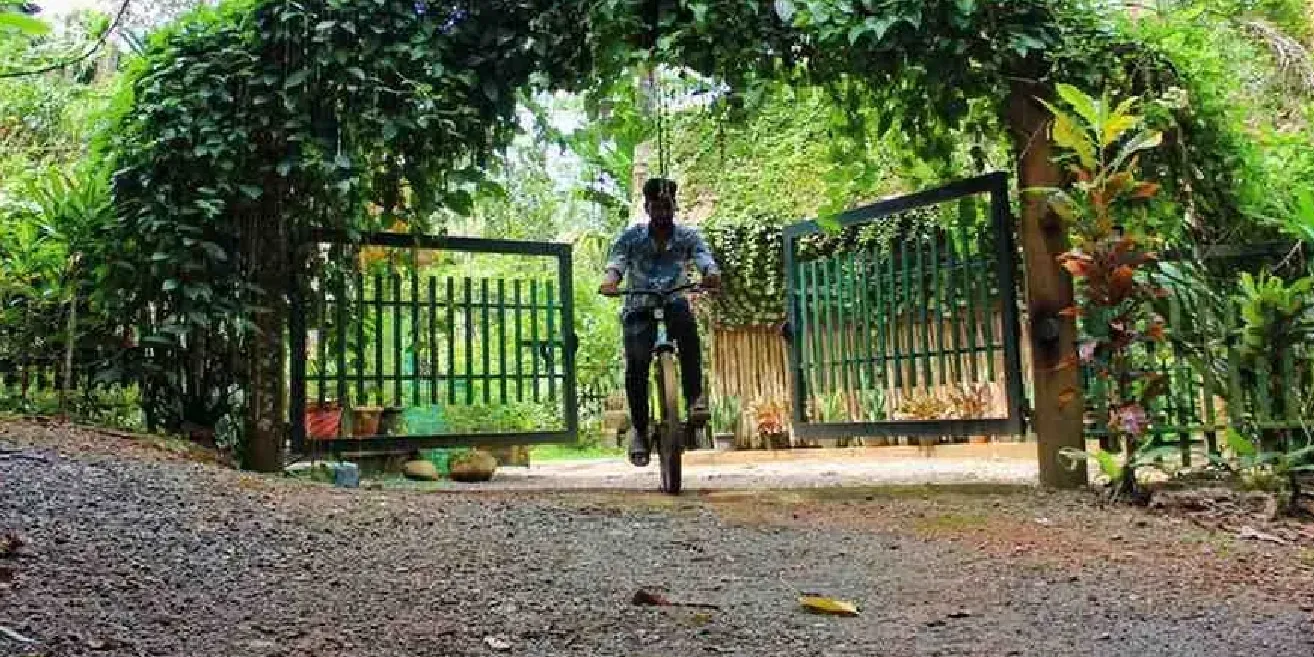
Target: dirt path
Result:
[619, 474]
[134, 552]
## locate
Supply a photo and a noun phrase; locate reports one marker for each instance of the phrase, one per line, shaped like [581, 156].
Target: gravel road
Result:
[131, 556]
[619, 474]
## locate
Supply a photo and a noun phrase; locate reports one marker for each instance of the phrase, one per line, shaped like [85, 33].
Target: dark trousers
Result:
[640, 337]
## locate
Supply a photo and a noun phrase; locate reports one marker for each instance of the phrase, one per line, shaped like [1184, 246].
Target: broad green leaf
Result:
[1140, 142]
[297, 78]
[1068, 135]
[1084, 105]
[1240, 444]
[1115, 126]
[1108, 464]
[830, 224]
[14, 21]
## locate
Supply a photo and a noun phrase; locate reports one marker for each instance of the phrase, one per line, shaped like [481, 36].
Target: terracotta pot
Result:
[323, 421]
[365, 421]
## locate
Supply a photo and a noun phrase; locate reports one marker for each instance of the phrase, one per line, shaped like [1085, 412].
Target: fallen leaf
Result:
[15, 635]
[822, 605]
[10, 545]
[500, 645]
[645, 598]
[1252, 533]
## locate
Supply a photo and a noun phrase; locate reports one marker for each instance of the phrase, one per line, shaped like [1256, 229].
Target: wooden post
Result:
[1049, 290]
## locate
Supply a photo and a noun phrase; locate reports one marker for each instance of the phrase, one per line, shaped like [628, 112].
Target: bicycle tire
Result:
[670, 440]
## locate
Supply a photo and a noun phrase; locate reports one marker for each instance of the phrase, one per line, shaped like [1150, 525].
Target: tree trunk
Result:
[1049, 290]
[70, 343]
[265, 407]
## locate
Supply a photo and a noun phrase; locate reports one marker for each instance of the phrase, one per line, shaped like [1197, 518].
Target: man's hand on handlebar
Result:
[610, 285]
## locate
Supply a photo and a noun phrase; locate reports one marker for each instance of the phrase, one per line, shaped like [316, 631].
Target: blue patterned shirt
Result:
[635, 256]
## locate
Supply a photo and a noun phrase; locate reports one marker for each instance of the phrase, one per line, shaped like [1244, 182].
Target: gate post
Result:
[1049, 291]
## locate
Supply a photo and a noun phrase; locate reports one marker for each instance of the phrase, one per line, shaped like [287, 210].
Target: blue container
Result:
[346, 475]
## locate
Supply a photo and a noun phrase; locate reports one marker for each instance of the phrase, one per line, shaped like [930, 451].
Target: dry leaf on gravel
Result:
[646, 598]
[829, 606]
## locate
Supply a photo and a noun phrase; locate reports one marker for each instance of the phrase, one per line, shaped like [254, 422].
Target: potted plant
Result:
[323, 420]
[830, 408]
[365, 421]
[726, 414]
[771, 420]
[924, 406]
[971, 402]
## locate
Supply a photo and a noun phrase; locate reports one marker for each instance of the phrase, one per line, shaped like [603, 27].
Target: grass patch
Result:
[541, 453]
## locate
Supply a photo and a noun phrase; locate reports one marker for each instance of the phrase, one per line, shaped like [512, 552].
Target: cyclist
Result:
[656, 256]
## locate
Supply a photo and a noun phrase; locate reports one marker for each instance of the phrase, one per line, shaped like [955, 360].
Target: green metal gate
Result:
[391, 351]
[906, 323]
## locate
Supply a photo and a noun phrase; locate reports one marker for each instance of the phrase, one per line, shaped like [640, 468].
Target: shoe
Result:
[639, 455]
[698, 413]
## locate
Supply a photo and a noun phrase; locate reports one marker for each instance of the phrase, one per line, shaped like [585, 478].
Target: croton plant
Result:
[1103, 208]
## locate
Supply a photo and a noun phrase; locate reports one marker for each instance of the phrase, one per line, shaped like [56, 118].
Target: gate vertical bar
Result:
[378, 338]
[467, 320]
[484, 340]
[795, 316]
[565, 271]
[501, 337]
[359, 321]
[416, 326]
[398, 398]
[550, 342]
[1006, 252]
[533, 337]
[340, 306]
[297, 329]
[434, 361]
[449, 375]
[520, 347]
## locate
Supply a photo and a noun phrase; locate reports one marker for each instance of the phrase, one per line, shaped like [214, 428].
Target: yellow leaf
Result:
[1068, 135]
[820, 605]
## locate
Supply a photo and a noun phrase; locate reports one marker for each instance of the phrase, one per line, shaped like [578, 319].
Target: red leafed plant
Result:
[1101, 208]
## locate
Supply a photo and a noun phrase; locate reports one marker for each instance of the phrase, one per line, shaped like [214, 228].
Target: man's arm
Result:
[617, 260]
[705, 261]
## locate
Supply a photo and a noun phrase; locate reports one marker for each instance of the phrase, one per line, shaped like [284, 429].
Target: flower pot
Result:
[390, 422]
[724, 441]
[365, 421]
[323, 421]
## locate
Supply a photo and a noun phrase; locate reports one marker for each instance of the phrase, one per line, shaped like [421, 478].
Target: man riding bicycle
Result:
[656, 255]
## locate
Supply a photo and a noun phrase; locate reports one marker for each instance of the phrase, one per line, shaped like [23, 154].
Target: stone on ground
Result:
[420, 470]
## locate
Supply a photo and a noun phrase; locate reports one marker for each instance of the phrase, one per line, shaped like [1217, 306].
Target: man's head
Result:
[659, 201]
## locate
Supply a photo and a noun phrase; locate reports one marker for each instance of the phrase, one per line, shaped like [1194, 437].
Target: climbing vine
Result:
[249, 124]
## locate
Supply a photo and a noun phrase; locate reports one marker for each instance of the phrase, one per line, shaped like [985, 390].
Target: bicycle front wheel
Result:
[670, 440]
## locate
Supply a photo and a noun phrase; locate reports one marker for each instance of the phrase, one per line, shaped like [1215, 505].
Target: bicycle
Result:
[672, 433]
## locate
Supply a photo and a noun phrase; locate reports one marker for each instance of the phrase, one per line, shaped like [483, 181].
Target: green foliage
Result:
[1119, 469]
[727, 414]
[1274, 314]
[1104, 212]
[117, 407]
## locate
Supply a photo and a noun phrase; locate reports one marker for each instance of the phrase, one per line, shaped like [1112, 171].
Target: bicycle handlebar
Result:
[654, 292]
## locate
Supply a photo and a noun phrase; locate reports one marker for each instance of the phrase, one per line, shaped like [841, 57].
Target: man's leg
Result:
[640, 336]
[684, 330]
